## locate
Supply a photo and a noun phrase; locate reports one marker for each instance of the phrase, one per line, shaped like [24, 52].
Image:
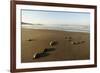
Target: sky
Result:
[55, 17]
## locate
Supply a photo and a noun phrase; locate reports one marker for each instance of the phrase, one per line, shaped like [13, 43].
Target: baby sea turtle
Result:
[53, 43]
[69, 38]
[35, 55]
[39, 54]
[75, 42]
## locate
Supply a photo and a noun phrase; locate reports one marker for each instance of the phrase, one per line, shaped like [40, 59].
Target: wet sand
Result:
[36, 40]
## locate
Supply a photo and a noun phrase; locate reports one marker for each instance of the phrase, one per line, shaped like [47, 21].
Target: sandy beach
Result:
[34, 40]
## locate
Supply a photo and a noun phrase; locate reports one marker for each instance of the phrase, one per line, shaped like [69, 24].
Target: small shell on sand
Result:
[29, 39]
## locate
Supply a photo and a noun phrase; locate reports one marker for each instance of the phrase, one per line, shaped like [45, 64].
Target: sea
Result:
[60, 27]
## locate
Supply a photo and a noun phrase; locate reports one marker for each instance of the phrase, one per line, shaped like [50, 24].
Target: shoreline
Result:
[56, 30]
[65, 27]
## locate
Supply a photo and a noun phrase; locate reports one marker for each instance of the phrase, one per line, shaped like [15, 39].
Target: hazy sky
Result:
[55, 17]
